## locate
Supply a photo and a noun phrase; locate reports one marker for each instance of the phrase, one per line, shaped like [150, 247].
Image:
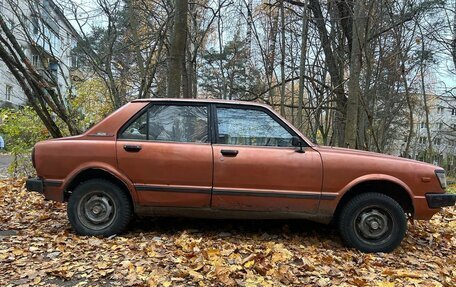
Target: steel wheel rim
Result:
[97, 210]
[373, 225]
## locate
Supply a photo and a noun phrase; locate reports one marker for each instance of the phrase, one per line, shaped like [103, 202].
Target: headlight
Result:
[440, 173]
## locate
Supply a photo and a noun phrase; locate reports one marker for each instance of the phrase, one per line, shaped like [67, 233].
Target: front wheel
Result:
[372, 222]
[99, 208]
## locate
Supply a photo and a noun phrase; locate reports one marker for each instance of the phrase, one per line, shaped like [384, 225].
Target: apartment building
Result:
[47, 39]
[442, 130]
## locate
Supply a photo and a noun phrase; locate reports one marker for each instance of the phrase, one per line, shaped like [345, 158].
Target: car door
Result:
[256, 167]
[166, 152]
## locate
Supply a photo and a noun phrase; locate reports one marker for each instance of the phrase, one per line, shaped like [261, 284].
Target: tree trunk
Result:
[282, 61]
[354, 89]
[222, 68]
[423, 91]
[454, 37]
[248, 40]
[38, 90]
[177, 49]
[334, 72]
[302, 64]
[271, 53]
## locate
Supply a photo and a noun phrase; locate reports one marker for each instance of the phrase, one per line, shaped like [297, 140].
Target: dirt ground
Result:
[38, 248]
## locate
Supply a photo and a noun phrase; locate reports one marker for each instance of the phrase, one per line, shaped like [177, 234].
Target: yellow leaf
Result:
[249, 264]
[18, 251]
[37, 280]
[195, 274]
[139, 270]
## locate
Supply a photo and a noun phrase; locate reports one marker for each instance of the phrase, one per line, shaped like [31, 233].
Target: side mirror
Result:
[295, 141]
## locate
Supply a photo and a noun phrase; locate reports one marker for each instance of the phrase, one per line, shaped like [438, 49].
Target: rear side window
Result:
[170, 123]
[250, 127]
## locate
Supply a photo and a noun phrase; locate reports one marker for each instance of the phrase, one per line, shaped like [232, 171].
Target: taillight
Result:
[33, 157]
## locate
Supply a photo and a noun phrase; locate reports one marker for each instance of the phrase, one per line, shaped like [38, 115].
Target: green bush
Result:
[21, 129]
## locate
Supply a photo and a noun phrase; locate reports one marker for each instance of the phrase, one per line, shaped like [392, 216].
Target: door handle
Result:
[229, 152]
[132, 148]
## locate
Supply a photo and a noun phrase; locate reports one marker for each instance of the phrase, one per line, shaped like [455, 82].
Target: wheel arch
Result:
[99, 172]
[384, 184]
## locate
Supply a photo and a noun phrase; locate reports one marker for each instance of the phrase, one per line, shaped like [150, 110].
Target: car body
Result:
[227, 159]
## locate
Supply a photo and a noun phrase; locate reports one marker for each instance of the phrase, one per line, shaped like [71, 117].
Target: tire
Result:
[372, 222]
[98, 207]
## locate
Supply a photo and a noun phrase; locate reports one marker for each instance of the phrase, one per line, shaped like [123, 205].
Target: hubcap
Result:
[373, 224]
[96, 210]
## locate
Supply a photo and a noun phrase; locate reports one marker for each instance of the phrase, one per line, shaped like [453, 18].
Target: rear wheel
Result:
[98, 207]
[372, 222]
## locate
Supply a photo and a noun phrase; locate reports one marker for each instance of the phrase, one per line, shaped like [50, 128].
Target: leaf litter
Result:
[38, 248]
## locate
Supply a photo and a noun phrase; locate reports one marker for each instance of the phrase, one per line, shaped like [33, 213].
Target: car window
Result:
[250, 127]
[137, 129]
[173, 123]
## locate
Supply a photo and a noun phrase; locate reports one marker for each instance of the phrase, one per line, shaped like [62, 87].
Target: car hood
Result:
[361, 153]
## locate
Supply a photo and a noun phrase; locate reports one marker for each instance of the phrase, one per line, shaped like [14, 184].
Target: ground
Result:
[5, 161]
[38, 248]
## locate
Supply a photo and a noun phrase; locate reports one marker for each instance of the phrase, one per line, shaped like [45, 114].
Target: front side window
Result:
[170, 123]
[250, 127]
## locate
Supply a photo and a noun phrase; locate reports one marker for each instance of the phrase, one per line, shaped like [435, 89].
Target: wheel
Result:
[372, 222]
[98, 207]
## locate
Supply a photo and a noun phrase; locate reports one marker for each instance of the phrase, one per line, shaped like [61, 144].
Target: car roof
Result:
[212, 101]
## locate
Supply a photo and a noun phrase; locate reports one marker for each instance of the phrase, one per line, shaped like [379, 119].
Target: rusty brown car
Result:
[225, 159]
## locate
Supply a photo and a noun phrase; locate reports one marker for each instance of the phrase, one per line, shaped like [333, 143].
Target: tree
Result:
[41, 89]
[176, 58]
[241, 82]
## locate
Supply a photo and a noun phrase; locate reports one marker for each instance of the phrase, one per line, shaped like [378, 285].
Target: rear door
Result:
[257, 168]
[166, 152]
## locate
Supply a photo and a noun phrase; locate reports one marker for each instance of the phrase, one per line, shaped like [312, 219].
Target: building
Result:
[442, 129]
[47, 39]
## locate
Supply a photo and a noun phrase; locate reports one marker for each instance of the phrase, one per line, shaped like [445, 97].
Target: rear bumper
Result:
[35, 184]
[51, 189]
[437, 200]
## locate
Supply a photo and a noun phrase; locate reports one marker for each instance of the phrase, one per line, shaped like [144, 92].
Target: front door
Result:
[256, 167]
[166, 152]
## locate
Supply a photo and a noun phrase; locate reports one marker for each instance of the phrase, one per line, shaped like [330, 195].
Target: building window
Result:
[35, 60]
[8, 93]
[422, 140]
[437, 141]
[53, 70]
[74, 61]
[440, 110]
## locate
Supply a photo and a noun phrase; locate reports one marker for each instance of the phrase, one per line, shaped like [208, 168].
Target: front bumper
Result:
[35, 184]
[437, 200]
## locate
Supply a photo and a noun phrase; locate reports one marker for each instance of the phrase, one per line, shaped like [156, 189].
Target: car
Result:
[230, 159]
